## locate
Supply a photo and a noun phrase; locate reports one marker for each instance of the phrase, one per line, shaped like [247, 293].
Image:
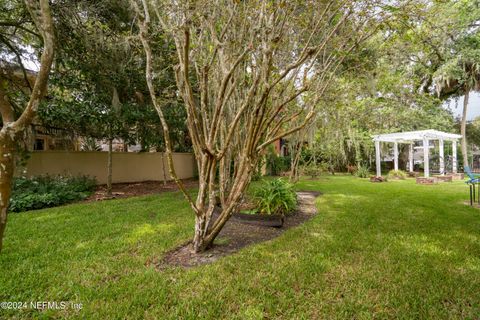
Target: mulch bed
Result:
[237, 235]
[126, 190]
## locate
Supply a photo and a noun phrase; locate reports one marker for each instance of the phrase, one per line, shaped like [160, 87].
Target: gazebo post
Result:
[454, 156]
[426, 163]
[395, 156]
[410, 157]
[442, 161]
[377, 158]
[411, 138]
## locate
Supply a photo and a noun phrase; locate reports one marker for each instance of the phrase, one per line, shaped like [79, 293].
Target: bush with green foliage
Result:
[49, 191]
[312, 171]
[277, 164]
[275, 197]
[397, 174]
[362, 172]
[257, 173]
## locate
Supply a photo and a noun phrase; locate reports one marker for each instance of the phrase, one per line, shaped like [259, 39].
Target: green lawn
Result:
[389, 250]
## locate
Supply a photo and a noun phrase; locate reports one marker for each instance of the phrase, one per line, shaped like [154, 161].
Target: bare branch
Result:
[143, 26]
[40, 12]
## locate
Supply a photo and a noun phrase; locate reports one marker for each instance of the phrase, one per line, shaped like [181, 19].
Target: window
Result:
[39, 144]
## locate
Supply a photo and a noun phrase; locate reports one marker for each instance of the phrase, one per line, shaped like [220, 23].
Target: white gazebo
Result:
[409, 138]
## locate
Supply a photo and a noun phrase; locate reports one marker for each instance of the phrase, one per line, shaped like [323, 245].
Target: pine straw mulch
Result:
[237, 235]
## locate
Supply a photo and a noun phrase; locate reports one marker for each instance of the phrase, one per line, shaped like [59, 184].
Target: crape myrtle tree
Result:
[20, 31]
[297, 142]
[240, 64]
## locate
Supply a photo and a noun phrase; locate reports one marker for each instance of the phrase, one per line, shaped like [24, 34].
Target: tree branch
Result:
[143, 26]
[40, 12]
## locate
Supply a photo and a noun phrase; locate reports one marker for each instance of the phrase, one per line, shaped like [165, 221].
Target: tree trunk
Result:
[463, 129]
[6, 174]
[206, 229]
[41, 16]
[295, 160]
[199, 243]
[109, 168]
[164, 169]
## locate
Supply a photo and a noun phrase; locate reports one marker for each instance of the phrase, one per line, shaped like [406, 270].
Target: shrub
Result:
[276, 164]
[352, 169]
[325, 167]
[312, 171]
[362, 172]
[49, 191]
[397, 174]
[279, 164]
[257, 173]
[276, 197]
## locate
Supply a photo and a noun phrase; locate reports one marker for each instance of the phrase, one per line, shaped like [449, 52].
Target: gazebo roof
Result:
[410, 136]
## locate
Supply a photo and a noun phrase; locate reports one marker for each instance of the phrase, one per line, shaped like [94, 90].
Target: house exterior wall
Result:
[127, 166]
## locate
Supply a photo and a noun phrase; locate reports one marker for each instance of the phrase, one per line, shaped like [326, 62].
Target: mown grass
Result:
[389, 250]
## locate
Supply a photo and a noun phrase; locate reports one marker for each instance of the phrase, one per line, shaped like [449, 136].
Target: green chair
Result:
[473, 180]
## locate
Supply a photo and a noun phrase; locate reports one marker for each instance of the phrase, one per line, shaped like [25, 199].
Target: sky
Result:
[473, 109]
